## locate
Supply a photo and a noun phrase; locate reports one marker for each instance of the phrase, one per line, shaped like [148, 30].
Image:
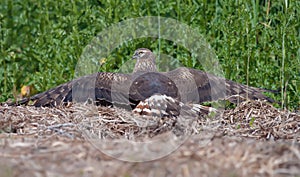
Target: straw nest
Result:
[253, 139]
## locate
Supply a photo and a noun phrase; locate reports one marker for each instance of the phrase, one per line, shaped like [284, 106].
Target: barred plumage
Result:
[181, 87]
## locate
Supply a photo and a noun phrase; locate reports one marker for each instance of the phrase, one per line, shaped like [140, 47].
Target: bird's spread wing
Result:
[198, 86]
[102, 87]
[193, 86]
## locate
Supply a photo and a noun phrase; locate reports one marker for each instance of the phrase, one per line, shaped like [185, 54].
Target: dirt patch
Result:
[254, 139]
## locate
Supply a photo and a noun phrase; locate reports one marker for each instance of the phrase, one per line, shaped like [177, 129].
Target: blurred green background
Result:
[257, 42]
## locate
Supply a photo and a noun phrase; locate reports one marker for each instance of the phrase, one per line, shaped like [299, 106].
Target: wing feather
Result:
[198, 86]
[99, 86]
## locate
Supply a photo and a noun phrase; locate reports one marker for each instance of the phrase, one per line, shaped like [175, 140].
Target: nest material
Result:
[261, 120]
[252, 139]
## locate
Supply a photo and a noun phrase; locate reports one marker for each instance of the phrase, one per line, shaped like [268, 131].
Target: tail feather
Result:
[165, 106]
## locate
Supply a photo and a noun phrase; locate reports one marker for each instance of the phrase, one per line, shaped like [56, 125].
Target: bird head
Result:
[145, 61]
[143, 53]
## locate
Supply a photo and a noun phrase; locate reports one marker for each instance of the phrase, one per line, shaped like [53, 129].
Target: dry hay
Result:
[254, 139]
[260, 120]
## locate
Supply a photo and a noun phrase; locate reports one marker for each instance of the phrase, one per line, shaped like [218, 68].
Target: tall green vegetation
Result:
[257, 42]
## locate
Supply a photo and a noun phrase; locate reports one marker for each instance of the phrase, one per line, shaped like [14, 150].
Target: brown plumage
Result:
[183, 84]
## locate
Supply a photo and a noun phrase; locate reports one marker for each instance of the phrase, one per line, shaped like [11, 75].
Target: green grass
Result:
[257, 43]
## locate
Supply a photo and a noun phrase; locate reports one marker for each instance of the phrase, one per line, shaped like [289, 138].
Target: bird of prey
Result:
[146, 90]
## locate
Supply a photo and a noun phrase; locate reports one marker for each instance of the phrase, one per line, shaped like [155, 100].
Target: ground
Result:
[253, 139]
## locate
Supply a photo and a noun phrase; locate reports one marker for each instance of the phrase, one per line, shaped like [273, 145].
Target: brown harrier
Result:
[146, 89]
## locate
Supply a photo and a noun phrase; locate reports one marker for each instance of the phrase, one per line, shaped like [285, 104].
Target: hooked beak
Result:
[135, 56]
